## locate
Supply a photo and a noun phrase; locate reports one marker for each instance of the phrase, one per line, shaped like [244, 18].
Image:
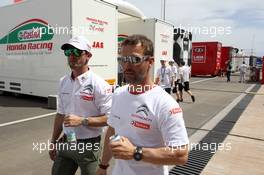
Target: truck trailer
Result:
[32, 32]
[206, 58]
[159, 32]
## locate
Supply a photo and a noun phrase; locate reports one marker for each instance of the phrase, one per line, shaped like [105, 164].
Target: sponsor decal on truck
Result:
[29, 38]
[199, 54]
[96, 25]
[164, 38]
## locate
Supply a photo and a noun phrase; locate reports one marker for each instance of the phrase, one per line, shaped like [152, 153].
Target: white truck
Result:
[159, 32]
[32, 32]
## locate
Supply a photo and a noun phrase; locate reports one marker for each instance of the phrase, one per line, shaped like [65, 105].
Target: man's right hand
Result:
[52, 152]
[101, 171]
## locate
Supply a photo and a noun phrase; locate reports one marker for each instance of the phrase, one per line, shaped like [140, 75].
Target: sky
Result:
[237, 23]
[5, 2]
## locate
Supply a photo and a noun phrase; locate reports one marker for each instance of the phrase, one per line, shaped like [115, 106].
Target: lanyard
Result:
[163, 70]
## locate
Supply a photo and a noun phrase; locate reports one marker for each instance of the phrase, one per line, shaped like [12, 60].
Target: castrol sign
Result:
[29, 35]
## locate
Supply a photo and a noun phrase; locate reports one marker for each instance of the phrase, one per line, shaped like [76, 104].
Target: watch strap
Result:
[104, 167]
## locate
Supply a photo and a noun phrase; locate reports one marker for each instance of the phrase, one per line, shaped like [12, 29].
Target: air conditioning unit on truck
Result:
[32, 32]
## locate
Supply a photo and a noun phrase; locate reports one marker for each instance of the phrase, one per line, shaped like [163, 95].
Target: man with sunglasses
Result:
[148, 122]
[164, 76]
[84, 101]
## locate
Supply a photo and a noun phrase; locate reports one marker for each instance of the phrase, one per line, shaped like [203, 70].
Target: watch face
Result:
[137, 156]
[138, 153]
[85, 122]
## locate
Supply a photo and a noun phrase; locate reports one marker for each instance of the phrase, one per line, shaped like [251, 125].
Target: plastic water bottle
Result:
[114, 138]
[70, 133]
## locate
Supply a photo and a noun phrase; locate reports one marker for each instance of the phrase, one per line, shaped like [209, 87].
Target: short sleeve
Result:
[111, 121]
[60, 108]
[180, 71]
[172, 125]
[103, 97]
[158, 73]
[171, 73]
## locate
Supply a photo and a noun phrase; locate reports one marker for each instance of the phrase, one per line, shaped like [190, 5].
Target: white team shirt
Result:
[175, 72]
[88, 95]
[152, 119]
[165, 76]
[184, 71]
[243, 68]
[119, 68]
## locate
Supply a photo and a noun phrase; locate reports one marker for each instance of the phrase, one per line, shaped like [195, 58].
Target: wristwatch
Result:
[138, 153]
[104, 167]
[85, 121]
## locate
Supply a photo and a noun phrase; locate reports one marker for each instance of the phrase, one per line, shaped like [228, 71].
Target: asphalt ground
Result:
[19, 151]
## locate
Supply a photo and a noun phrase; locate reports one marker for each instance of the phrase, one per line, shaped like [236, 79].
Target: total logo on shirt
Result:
[140, 124]
[175, 110]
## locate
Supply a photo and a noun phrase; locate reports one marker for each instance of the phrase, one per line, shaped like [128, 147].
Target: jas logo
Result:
[97, 44]
[143, 109]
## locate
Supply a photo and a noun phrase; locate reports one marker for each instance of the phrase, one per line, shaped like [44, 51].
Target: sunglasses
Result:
[132, 59]
[75, 52]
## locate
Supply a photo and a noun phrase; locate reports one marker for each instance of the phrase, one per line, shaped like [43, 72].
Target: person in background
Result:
[164, 76]
[148, 122]
[228, 70]
[184, 72]
[120, 76]
[176, 79]
[84, 101]
[242, 70]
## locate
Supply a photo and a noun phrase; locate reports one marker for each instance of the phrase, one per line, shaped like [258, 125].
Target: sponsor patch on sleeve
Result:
[175, 110]
[108, 90]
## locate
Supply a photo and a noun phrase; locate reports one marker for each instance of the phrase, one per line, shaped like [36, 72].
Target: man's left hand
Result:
[122, 149]
[72, 120]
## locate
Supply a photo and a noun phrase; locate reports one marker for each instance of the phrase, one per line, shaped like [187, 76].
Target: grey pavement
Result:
[18, 157]
[246, 155]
